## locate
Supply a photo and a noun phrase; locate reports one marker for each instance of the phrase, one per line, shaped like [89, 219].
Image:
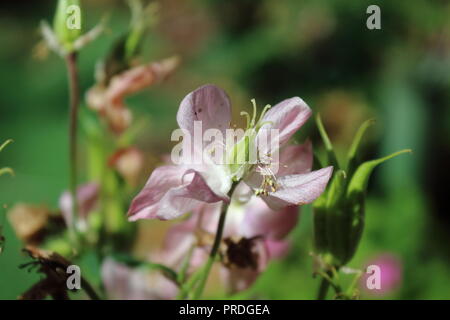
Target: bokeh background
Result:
[319, 50]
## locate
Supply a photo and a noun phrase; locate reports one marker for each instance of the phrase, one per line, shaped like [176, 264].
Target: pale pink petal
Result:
[287, 116]
[138, 78]
[123, 283]
[118, 116]
[238, 279]
[169, 193]
[162, 179]
[299, 189]
[277, 248]
[96, 98]
[260, 220]
[177, 243]
[295, 159]
[110, 101]
[87, 195]
[207, 104]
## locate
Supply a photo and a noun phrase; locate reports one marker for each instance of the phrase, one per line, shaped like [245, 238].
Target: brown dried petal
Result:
[28, 222]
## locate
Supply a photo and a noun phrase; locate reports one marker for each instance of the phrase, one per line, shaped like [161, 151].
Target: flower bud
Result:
[340, 210]
[67, 22]
[29, 222]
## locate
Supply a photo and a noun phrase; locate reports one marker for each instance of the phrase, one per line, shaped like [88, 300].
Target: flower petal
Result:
[170, 192]
[87, 195]
[299, 189]
[295, 159]
[207, 104]
[138, 78]
[277, 248]
[260, 220]
[162, 179]
[287, 116]
[124, 283]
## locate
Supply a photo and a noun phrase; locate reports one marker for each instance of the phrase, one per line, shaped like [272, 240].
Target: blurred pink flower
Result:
[253, 235]
[124, 283]
[173, 190]
[129, 163]
[390, 267]
[109, 100]
[87, 200]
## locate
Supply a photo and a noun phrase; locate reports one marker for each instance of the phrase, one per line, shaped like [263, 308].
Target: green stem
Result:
[89, 290]
[186, 288]
[329, 278]
[215, 248]
[74, 90]
[323, 289]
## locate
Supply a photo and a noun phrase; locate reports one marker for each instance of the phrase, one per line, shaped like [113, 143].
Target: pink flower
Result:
[390, 272]
[253, 235]
[173, 190]
[87, 200]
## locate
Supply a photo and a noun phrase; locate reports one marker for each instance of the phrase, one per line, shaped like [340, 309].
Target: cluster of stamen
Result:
[269, 182]
[268, 185]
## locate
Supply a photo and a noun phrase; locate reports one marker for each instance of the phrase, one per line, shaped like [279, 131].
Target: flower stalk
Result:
[206, 269]
[74, 92]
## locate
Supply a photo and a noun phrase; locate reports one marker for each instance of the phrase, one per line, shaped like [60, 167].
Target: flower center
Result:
[269, 182]
[240, 159]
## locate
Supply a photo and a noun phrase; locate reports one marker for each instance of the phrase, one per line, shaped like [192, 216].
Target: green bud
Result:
[331, 220]
[67, 22]
[340, 211]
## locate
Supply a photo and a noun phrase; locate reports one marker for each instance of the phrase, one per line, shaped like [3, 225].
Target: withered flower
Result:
[29, 222]
[241, 253]
[54, 284]
[108, 99]
[53, 266]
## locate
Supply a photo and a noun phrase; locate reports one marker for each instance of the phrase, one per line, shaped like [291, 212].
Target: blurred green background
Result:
[319, 50]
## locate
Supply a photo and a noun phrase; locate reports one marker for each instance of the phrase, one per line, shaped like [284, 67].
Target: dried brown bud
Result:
[29, 222]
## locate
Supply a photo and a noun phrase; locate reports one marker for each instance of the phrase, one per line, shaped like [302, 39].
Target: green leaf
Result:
[332, 160]
[351, 156]
[359, 181]
[336, 190]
